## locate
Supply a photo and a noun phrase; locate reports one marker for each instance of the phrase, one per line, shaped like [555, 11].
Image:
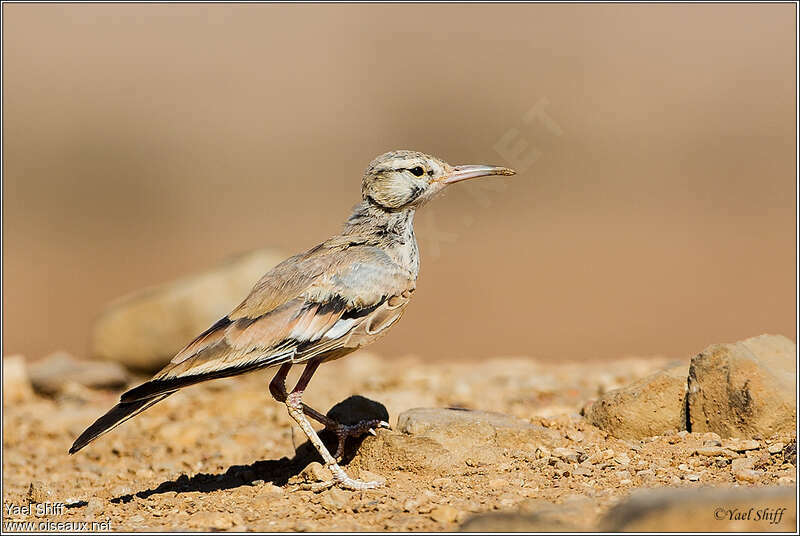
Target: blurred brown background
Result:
[144, 142]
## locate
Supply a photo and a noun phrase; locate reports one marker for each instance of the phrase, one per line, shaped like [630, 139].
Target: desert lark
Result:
[317, 306]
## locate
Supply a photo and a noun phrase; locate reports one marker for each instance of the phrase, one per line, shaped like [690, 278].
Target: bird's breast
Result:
[405, 252]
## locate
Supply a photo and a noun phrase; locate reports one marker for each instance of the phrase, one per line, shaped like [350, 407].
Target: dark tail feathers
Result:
[116, 416]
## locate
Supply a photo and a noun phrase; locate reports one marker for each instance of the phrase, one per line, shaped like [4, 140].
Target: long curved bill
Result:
[462, 173]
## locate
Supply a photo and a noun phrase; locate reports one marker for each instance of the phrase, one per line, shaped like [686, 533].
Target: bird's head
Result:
[402, 180]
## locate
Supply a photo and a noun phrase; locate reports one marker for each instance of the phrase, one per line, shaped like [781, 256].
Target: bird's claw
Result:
[343, 431]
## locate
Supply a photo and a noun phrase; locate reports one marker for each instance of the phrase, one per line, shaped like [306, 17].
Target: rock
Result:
[744, 389]
[582, 471]
[775, 448]
[402, 452]
[444, 441]
[316, 472]
[710, 451]
[565, 454]
[575, 435]
[741, 445]
[704, 510]
[748, 475]
[622, 459]
[444, 514]
[269, 490]
[652, 406]
[470, 433]
[369, 476]
[335, 500]
[514, 522]
[575, 513]
[740, 464]
[420, 421]
[16, 384]
[144, 330]
[51, 375]
[622, 475]
[211, 520]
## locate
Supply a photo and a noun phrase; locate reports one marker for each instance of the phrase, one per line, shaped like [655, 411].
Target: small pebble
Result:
[444, 514]
[582, 471]
[742, 464]
[566, 454]
[748, 475]
[776, 448]
[710, 451]
[316, 472]
[622, 459]
[575, 435]
[369, 476]
[740, 445]
[335, 500]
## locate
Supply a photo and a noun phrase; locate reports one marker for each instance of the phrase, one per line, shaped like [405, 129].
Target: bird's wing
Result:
[319, 302]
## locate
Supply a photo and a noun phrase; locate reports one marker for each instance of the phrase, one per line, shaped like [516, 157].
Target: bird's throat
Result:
[391, 231]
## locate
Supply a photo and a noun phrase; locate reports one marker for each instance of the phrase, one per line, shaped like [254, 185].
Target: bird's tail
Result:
[115, 416]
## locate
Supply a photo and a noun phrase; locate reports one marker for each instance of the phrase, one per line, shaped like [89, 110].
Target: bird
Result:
[317, 306]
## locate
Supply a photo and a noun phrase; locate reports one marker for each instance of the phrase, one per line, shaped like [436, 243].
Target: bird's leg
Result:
[277, 387]
[295, 406]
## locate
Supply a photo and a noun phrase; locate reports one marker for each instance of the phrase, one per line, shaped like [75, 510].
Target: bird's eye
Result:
[417, 171]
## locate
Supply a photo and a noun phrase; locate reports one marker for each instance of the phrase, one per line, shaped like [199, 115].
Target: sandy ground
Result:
[224, 456]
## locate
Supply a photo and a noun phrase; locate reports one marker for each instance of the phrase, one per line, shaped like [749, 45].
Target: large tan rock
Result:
[444, 441]
[52, 375]
[652, 406]
[705, 510]
[744, 389]
[145, 329]
[575, 513]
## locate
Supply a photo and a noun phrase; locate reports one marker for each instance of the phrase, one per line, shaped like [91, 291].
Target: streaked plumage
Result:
[316, 306]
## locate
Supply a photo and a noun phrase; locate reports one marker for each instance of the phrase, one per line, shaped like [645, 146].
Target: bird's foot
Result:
[343, 481]
[343, 431]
